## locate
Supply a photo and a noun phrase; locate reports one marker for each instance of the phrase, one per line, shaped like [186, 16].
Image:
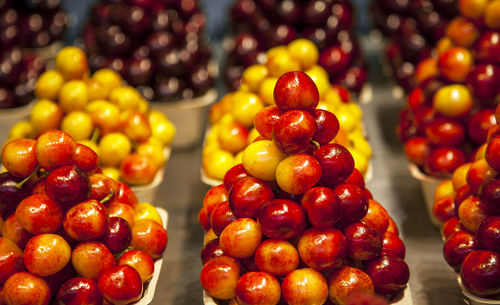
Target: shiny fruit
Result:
[46, 254]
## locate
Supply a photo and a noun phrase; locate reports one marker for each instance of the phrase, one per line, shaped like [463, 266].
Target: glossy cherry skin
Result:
[480, 272]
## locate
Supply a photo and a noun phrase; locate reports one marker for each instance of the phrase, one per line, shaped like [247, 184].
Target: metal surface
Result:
[181, 193]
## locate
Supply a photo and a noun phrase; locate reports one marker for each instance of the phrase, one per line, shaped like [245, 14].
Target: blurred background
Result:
[217, 12]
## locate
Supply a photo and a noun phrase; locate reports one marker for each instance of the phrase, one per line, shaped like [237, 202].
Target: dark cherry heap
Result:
[468, 207]
[294, 223]
[158, 46]
[25, 25]
[262, 24]
[413, 28]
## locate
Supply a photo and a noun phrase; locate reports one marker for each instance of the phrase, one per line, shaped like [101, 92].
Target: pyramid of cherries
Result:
[232, 118]
[71, 234]
[260, 25]
[25, 24]
[156, 45]
[448, 115]
[413, 28]
[294, 222]
[468, 207]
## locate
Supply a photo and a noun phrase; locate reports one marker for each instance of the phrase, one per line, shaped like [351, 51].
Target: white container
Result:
[17, 113]
[429, 185]
[147, 193]
[473, 299]
[188, 116]
[150, 287]
[403, 299]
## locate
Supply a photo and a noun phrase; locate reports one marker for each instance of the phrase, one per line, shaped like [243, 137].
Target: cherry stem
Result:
[95, 135]
[107, 198]
[20, 184]
[315, 144]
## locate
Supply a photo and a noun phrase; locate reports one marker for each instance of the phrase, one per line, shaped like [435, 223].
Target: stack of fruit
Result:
[449, 113]
[468, 208]
[294, 221]
[156, 45]
[234, 116]
[260, 25]
[25, 24]
[413, 28]
[104, 114]
[70, 234]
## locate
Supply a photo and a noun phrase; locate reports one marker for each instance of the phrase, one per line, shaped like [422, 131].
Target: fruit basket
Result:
[472, 299]
[149, 290]
[188, 116]
[147, 193]
[428, 185]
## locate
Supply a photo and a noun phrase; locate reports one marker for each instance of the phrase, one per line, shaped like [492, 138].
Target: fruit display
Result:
[259, 25]
[468, 209]
[71, 235]
[294, 223]
[412, 29]
[101, 112]
[247, 114]
[158, 46]
[448, 114]
[25, 27]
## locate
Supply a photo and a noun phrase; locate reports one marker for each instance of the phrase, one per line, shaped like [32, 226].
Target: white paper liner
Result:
[473, 299]
[428, 185]
[188, 116]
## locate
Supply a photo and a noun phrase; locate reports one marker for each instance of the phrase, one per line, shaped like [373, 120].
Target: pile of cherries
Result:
[294, 221]
[468, 207]
[449, 113]
[25, 24]
[70, 233]
[413, 28]
[260, 25]
[157, 46]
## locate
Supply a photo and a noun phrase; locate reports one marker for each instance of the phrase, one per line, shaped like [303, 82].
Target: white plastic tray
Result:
[428, 185]
[17, 113]
[473, 299]
[150, 287]
[188, 116]
[147, 193]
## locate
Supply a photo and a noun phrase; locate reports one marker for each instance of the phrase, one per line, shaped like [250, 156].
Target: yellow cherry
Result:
[45, 115]
[73, 96]
[266, 90]
[78, 124]
[21, 129]
[245, 107]
[72, 63]
[261, 158]
[304, 51]
[111, 172]
[145, 210]
[164, 131]
[216, 163]
[48, 85]
[253, 76]
[282, 63]
[126, 98]
[113, 148]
